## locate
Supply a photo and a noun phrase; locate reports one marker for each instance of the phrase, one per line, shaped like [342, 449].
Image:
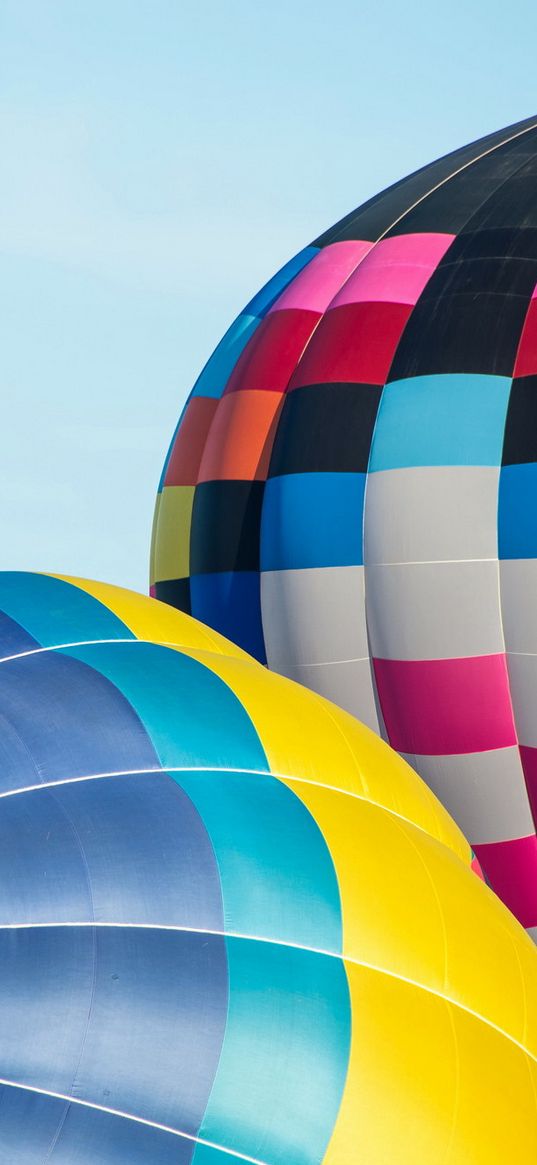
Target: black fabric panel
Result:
[378, 213]
[226, 518]
[494, 243]
[499, 276]
[326, 428]
[520, 443]
[452, 206]
[461, 333]
[175, 592]
[513, 205]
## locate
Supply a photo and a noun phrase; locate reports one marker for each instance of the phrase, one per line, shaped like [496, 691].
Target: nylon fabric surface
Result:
[234, 924]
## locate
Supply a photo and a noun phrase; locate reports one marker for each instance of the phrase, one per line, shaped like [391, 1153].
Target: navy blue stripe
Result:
[59, 718]
[127, 849]
[131, 1019]
[37, 1129]
[13, 637]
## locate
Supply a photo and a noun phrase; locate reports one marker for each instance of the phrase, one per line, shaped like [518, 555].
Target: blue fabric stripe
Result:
[130, 1018]
[129, 849]
[189, 713]
[212, 381]
[271, 886]
[42, 1129]
[517, 512]
[59, 719]
[456, 419]
[284, 1060]
[13, 637]
[230, 602]
[312, 519]
[53, 611]
[263, 301]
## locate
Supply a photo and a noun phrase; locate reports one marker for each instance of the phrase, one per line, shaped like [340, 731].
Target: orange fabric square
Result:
[241, 437]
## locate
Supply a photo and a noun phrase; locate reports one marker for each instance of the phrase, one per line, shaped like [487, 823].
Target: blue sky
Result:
[160, 160]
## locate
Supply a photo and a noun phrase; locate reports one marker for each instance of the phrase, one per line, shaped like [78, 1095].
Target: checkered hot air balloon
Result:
[351, 493]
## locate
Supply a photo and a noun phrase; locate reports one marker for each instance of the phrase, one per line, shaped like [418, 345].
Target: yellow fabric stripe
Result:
[171, 528]
[304, 735]
[412, 924]
[421, 1077]
[154, 621]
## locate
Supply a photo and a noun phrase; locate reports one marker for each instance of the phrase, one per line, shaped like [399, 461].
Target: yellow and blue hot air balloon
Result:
[234, 925]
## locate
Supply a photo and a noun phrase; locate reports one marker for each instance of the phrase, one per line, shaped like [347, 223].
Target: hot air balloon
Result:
[234, 924]
[351, 493]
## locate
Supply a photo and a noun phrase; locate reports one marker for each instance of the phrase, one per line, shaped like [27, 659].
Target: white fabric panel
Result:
[523, 684]
[518, 590]
[484, 791]
[433, 610]
[313, 616]
[348, 684]
[431, 514]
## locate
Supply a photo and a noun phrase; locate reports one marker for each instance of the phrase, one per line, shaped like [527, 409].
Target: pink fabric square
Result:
[511, 868]
[396, 270]
[320, 280]
[441, 707]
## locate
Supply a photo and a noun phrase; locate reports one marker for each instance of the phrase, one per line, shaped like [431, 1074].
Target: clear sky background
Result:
[160, 159]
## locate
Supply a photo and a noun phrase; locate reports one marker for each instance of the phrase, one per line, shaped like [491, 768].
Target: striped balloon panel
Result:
[359, 508]
[220, 934]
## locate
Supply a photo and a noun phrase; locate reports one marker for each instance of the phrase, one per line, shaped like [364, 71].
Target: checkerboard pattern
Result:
[351, 493]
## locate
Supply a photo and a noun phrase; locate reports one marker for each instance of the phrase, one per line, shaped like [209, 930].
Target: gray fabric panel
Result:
[313, 616]
[518, 583]
[433, 610]
[431, 514]
[532, 931]
[348, 684]
[484, 791]
[523, 683]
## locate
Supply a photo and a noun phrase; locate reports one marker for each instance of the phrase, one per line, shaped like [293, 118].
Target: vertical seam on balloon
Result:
[408, 210]
[500, 599]
[85, 867]
[423, 198]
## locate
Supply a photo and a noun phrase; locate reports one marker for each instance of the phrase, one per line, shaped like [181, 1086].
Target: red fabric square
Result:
[526, 359]
[185, 457]
[271, 355]
[354, 343]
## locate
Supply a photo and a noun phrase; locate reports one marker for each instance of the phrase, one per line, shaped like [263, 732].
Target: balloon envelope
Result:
[352, 490]
[234, 925]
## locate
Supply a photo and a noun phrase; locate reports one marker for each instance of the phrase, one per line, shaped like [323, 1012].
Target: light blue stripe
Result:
[277, 875]
[191, 716]
[312, 519]
[220, 365]
[284, 1060]
[54, 611]
[455, 419]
